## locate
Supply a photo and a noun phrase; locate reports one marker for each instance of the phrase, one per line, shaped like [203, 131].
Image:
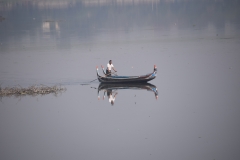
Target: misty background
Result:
[194, 44]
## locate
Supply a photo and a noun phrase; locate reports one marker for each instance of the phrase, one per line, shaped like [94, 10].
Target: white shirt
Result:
[110, 66]
[111, 98]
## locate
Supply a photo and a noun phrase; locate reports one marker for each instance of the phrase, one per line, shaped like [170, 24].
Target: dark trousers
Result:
[108, 72]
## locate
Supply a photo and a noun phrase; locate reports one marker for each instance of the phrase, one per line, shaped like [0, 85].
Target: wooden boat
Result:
[127, 79]
[110, 87]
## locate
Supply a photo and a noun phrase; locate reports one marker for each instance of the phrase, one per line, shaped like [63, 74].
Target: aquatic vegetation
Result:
[32, 90]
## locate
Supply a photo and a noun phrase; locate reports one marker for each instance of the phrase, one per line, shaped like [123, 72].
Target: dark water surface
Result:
[194, 43]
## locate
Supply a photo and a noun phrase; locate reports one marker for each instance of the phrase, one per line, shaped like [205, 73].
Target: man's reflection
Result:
[111, 96]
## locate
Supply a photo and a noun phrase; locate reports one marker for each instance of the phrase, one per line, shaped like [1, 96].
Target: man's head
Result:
[110, 61]
[112, 103]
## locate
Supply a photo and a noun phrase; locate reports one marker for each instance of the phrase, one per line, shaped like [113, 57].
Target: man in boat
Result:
[109, 68]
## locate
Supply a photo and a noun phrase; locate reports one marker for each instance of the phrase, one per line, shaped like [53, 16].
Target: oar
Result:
[114, 73]
[96, 79]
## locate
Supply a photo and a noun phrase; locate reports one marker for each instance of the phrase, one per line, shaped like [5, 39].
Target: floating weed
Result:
[32, 90]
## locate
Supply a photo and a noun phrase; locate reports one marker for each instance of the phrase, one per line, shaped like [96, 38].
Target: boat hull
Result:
[130, 80]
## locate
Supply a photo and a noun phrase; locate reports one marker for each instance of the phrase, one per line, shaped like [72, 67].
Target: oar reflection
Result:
[111, 89]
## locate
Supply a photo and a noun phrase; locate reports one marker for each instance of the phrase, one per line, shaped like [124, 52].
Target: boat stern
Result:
[103, 70]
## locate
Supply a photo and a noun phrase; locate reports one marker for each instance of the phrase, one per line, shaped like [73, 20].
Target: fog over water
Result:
[190, 111]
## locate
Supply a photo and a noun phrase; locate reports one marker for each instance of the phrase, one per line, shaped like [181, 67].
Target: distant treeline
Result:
[118, 14]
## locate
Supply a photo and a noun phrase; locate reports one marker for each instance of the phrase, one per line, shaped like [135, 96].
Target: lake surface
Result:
[190, 111]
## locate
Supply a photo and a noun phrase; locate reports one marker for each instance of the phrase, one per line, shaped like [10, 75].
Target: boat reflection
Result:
[112, 88]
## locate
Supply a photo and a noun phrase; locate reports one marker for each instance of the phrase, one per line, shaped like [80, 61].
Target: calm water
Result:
[195, 45]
